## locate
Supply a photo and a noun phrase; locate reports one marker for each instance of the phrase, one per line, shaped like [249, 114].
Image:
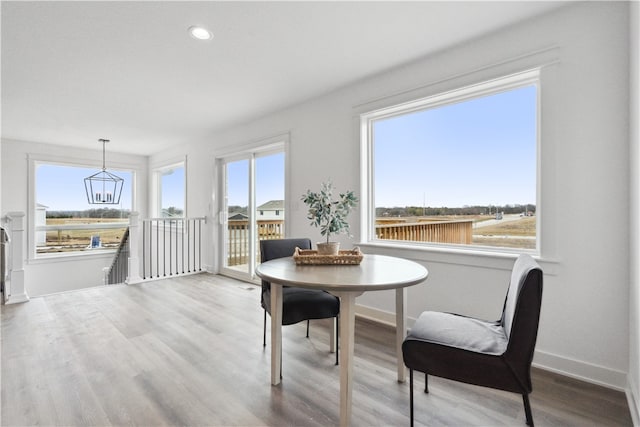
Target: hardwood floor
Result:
[188, 351]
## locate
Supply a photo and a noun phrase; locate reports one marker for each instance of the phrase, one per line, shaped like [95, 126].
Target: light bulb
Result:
[200, 33]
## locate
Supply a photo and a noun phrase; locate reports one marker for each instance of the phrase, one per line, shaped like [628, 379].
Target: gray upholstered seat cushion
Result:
[461, 332]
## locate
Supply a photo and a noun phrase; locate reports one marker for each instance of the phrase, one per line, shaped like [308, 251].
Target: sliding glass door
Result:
[254, 207]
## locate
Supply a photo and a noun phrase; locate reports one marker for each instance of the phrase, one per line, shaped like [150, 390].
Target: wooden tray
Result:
[311, 257]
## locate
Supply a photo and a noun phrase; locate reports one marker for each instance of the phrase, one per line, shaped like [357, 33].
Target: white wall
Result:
[67, 273]
[634, 292]
[1, 179]
[584, 209]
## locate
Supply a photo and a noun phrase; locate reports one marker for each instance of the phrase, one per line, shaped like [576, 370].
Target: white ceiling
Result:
[73, 72]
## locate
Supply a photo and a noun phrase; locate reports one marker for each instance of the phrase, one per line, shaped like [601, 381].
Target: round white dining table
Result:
[374, 273]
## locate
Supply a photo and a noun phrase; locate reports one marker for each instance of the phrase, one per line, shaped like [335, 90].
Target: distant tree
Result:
[443, 210]
[59, 214]
[415, 211]
[172, 212]
[90, 213]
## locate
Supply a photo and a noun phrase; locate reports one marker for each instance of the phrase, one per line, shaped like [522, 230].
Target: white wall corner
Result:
[633, 401]
[211, 269]
[633, 391]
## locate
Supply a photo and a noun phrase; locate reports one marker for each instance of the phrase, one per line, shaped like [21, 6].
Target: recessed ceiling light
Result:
[200, 33]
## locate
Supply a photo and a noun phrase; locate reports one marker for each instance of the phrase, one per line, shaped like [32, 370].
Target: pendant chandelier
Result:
[103, 188]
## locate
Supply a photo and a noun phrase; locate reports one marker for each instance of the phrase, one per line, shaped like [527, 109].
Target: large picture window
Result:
[64, 221]
[456, 169]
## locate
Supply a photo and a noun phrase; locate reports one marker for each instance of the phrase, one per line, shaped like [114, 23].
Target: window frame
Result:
[157, 173]
[34, 161]
[531, 77]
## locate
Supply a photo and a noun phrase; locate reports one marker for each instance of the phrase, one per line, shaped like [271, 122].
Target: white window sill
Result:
[498, 258]
[72, 256]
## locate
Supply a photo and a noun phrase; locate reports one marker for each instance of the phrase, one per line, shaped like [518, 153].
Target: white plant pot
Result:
[331, 248]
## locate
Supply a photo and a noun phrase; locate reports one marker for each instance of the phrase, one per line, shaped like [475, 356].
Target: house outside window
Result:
[456, 169]
[271, 210]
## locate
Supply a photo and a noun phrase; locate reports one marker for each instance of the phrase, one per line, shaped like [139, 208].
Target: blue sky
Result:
[477, 152]
[269, 180]
[238, 183]
[62, 188]
[172, 183]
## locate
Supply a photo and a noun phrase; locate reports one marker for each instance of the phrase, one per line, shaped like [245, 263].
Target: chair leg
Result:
[527, 409]
[307, 328]
[337, 338]
[411, 395]
[426, 383]
[264, 330]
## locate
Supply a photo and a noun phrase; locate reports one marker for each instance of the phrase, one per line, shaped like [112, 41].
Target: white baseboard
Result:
[17, 298]
[154, 279]
[378, 316]
[633, 401]
[578, 369]
[581, 370]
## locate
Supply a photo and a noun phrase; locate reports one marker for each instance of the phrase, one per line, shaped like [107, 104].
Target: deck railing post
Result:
[134, 251]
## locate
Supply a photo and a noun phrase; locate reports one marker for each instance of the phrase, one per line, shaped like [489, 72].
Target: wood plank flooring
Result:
[188, 351]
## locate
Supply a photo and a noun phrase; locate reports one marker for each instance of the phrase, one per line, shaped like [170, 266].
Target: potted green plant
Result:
[329, 215]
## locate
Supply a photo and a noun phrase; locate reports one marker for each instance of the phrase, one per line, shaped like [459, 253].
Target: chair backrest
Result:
[521, 316]
[519, 278]
[280, 248]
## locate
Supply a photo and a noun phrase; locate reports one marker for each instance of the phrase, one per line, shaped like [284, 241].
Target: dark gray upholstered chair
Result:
[298, 304]
[491, 354]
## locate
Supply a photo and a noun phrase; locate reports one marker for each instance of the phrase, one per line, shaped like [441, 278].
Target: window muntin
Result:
[171, 191]
[456, 169]
[65, 223]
